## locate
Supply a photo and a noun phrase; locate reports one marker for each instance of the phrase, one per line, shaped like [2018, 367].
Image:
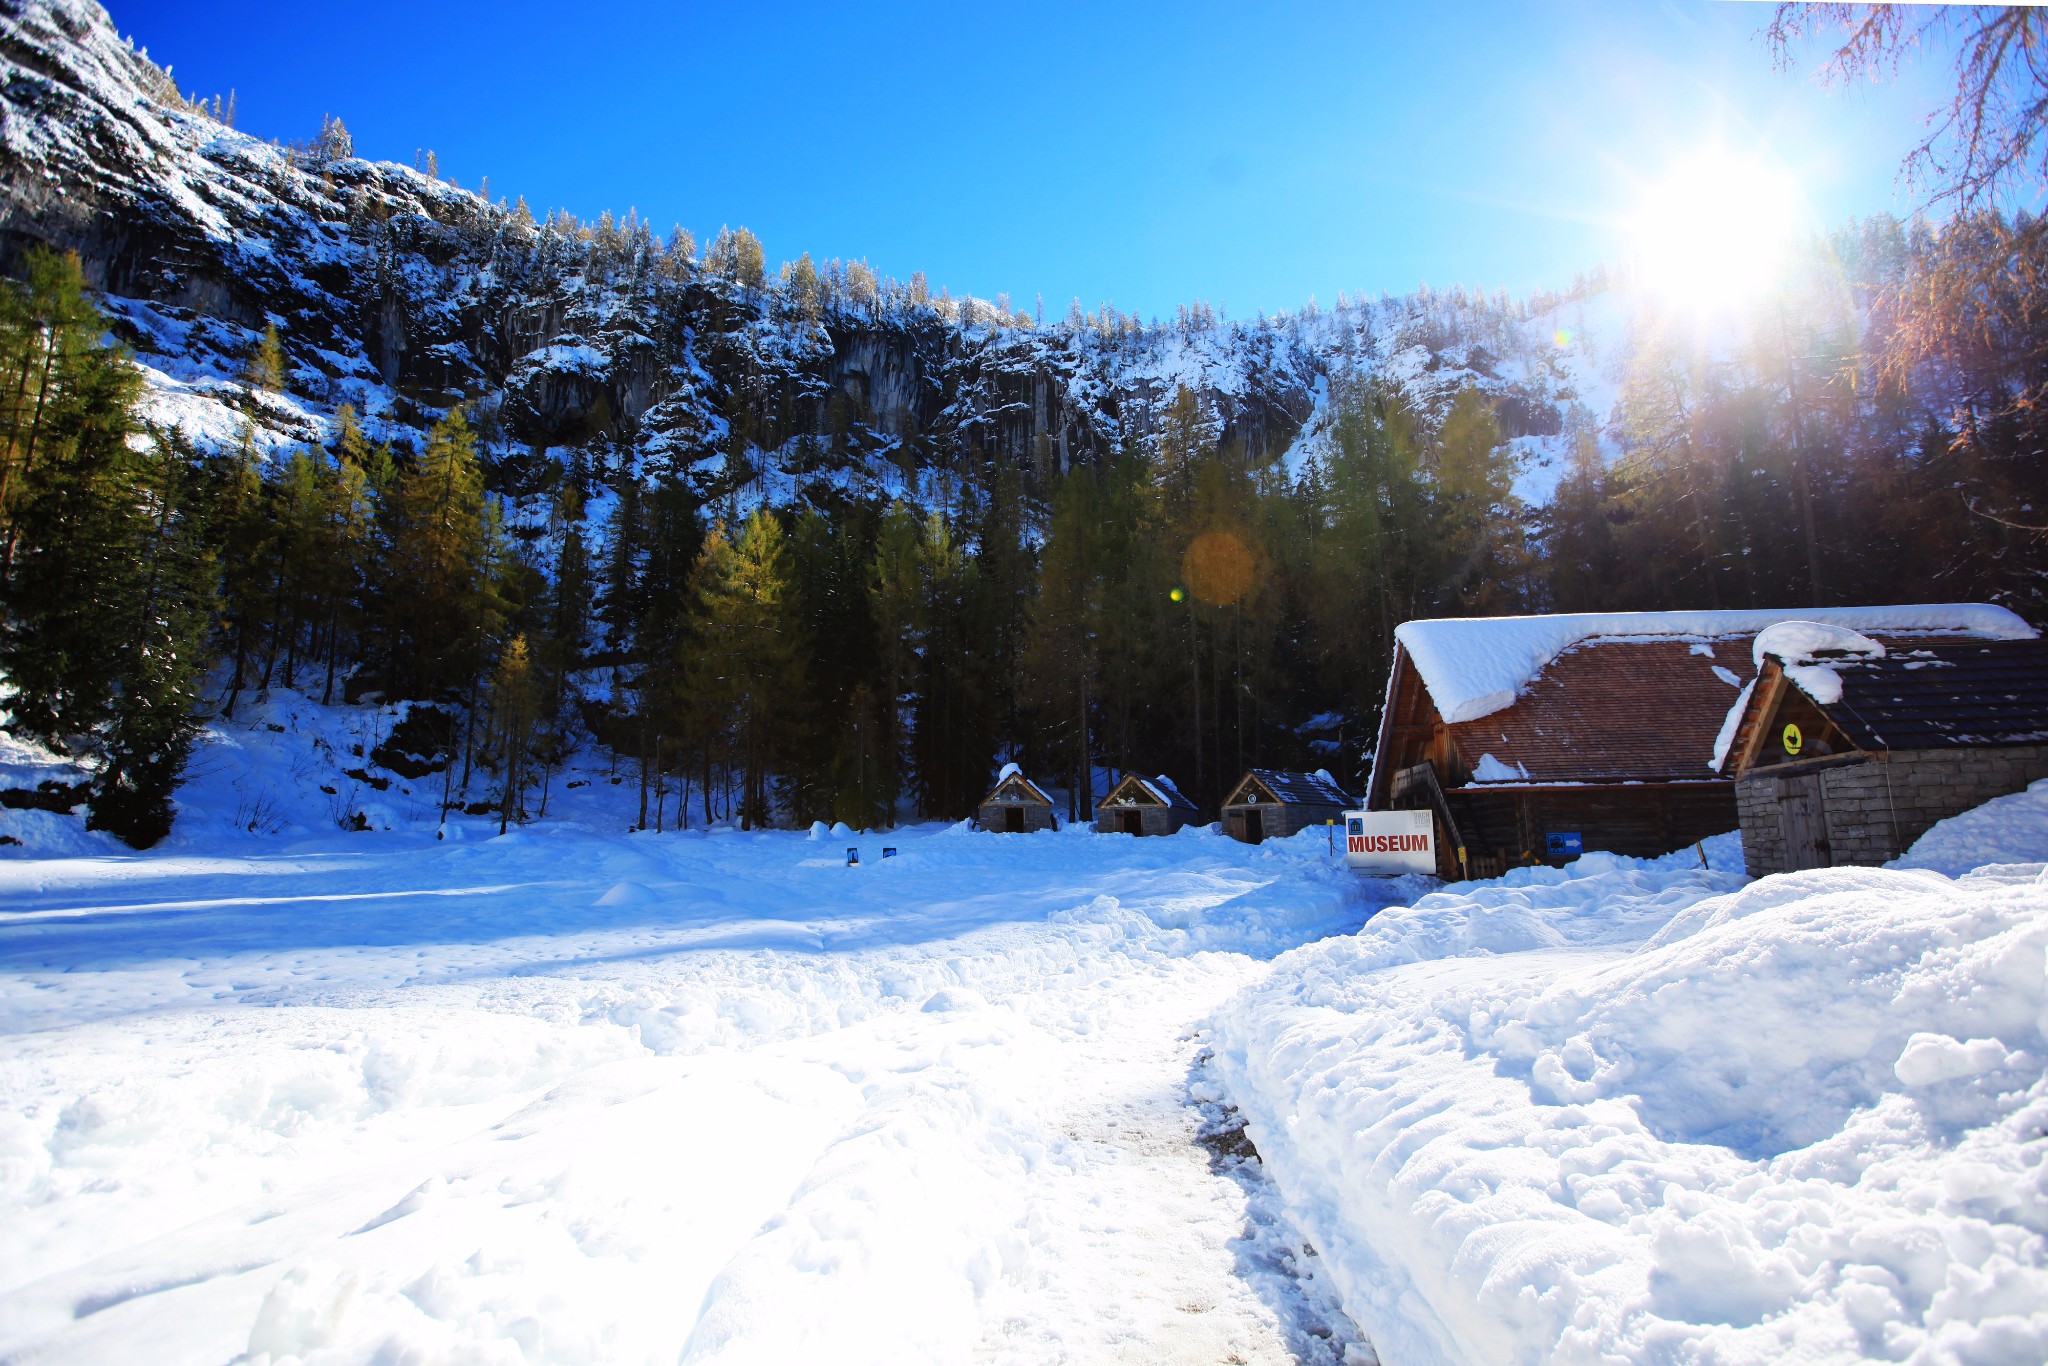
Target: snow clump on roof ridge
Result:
[1801, 645]
[1804, 642]
[1475, 666]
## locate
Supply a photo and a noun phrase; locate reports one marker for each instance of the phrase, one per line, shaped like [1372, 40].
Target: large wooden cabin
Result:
[1536, 738]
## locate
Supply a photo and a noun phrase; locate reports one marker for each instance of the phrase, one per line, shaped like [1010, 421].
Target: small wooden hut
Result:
[1016, 805]
[1845, 760]
[1144, 806]
[1270, 804]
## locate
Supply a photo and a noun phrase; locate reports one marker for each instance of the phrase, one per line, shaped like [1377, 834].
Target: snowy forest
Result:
[804, 544]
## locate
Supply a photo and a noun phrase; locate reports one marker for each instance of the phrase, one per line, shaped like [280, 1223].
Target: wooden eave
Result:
[1760, 719]
[1142, 794]
[1251, 782]
[1030, 794]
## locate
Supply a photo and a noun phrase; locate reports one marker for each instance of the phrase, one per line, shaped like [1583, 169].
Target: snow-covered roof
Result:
[1943, 696]
[1305, 789]
[1013, 786]
[1159, 790]
[1475, 666]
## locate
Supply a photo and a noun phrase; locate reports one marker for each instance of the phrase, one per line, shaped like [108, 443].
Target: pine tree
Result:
[47, 329]
[154, 719]
[265, 369]
[514, 704]
[1061, 661]
[437, 599]
[109, 585]
[744, 660]
[896, 602]
[74, 517]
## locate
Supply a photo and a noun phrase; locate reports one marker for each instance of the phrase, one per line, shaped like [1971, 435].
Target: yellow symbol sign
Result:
[1794, 741]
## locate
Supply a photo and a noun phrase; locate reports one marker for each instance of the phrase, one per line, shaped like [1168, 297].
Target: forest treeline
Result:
[1871, 433]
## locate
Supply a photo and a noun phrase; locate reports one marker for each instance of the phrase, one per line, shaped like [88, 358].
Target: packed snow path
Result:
[564, 1096]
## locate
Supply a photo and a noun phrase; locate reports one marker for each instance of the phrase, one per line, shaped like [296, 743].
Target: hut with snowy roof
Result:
[1270, 804]
[1144, 806]
[1534, 739]
[1015, 805]
[1847, 748]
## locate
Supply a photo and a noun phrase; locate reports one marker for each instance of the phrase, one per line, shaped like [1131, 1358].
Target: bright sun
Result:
[1717, 231]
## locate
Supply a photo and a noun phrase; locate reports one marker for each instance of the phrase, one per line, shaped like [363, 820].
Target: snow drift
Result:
[1634, 1112]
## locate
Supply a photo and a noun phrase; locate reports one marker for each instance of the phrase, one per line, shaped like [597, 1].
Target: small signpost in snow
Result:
[1389, 843]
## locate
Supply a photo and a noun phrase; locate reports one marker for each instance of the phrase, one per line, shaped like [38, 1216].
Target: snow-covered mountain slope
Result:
[400, 293]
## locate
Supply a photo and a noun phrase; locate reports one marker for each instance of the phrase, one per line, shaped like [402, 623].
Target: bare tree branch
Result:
[1992, 137]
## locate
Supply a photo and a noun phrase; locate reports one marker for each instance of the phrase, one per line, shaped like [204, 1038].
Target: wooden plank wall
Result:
[1641, 820]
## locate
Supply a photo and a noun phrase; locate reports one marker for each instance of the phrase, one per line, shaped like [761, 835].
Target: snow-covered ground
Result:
[1644, 1112]
[575, 1094]
[579, 1095]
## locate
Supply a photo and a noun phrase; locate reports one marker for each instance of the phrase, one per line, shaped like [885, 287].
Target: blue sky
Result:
[1250, 155]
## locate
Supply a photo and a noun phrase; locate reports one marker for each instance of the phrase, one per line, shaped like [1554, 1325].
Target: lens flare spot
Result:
[1219, 568]
[1177, 595]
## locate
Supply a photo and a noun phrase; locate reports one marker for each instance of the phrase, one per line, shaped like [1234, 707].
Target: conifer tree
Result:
[437, 599]
[265, 369]
[744, 660]
[48, 329]
[109, 582]
[514, 704]
[1061, 661]
[154, 718]
[896, 602]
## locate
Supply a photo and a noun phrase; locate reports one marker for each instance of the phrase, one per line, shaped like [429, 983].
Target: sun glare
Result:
[1717, 231]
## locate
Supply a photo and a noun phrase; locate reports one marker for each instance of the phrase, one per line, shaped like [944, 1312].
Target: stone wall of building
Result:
[1876, 808]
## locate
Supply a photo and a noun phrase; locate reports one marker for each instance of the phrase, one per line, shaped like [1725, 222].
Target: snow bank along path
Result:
[573, 1097]
[1638, 1111]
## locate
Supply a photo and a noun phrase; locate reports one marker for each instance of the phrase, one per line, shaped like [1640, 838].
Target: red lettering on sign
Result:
[1386, 844]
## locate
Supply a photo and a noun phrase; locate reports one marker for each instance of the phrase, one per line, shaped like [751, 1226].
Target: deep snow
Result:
[578, 1095]
[1641, 1111]
[575, 1094]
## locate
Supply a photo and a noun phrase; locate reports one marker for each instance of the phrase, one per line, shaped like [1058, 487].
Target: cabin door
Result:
[1013, 819]
[1803, 818]
[1254, 826]
[1131, 822]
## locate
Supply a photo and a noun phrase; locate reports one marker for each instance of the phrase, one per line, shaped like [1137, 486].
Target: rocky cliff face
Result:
[401, 294]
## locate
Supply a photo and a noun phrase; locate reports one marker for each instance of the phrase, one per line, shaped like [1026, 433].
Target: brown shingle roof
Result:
[1614, 710]
[1619, 709]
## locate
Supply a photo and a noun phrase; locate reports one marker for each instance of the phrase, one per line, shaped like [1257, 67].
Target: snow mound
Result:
[1805, 642]
[1475, 666]
[1802, 646]
[1492, 770]
[2010, 829]
[1007, 770]
[1801, 1120]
